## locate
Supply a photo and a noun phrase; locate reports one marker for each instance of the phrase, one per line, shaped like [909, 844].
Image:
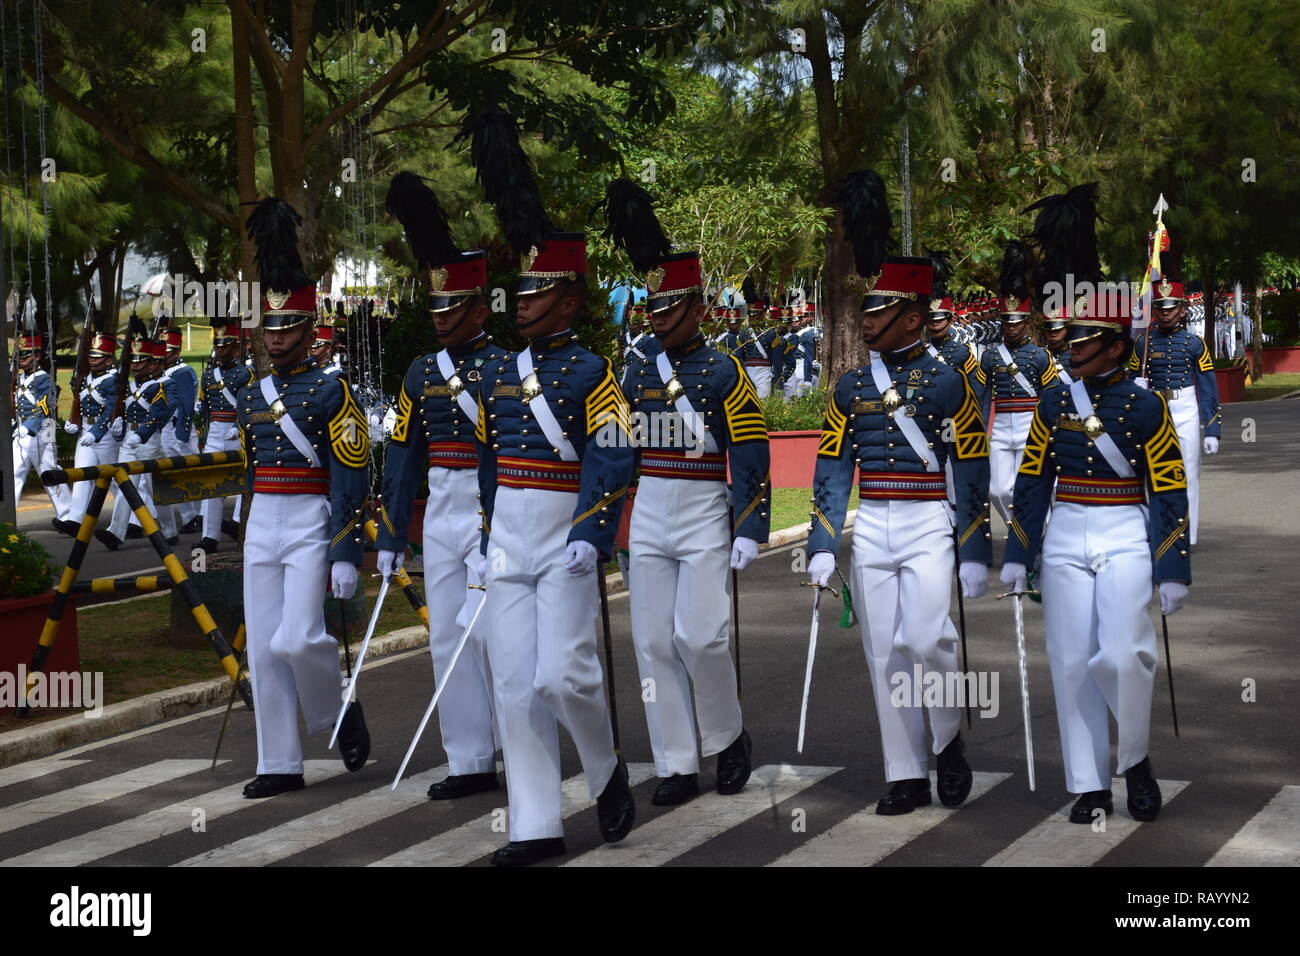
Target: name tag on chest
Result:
[506, 391]
[261, 418]
[1069, 423]
[441, 390]
[654, 395]
[868, 406]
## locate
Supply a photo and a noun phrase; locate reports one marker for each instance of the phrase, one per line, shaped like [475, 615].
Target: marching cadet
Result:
[34, 447]
[688, 530]
[1010, 376]
[944, 344]
[897, 421]
[554, 427]
[810, 340]
[1110, 451]
[751, 346]
[1178, 366]
[322, 347]
[147, 413]
[97, 445]
[222, 381]
[791, 360]
[1056, 339]
[308, 451]
[433, 438]
[179, 436]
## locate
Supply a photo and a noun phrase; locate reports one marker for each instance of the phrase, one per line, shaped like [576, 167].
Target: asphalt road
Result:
[1232, 781]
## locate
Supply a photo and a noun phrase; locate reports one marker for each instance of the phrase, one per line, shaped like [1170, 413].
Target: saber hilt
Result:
[819, 587]
[1019, 594]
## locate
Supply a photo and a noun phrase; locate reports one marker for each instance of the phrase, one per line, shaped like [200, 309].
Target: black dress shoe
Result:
[70, 528]
[954, 774]
[462, 785]
[230, 529]
[1144, 800]
[193, 525]
[733, 764]
[904, 797]
[354, 738]
[134, 531]
[527, 852]
[270, 784]
[110, 540]
[1088, 803]
[676, 789]
[615, 808]
[173, 540]
[208, 546]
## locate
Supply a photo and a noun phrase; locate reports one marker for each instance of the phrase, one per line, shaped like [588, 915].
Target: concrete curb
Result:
[50, 737]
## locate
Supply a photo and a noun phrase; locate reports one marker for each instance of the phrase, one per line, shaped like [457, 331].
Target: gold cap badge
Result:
[438, 279]
[527, 259]
[276, 300]
[654, 278]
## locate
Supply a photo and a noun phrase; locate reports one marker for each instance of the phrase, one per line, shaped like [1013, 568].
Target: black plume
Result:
[502, 168]
[273, 227]
[749, 290]
[631, 224]
[415, 206]
[1066, 231]
[1017, 266]
[98, 320]
[867, 220]
[135, 326]
[942, 269]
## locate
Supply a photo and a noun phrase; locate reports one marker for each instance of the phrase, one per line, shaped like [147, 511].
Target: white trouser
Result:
[1101, 644]
[290, 657]
[1186, 414]
[173, 447]
[103, 452]
[144, 484]
[39, 453]
[761, 376]
[902, 576]
[679, 585]
[451, 536]
[541, 640]
[1006, 448]
[791, 387]
[211, 508]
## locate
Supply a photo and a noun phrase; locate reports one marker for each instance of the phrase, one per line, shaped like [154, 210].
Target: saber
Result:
[961, 619]
[609, 658]
[1169, 668]
[735, 624]
[442, 685]
[234, 690]
[350, 690]
[812, 654]
[1018, 598]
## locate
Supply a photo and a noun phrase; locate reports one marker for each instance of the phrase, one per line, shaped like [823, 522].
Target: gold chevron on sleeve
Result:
[744, 412]
[1019, 532]
[1133, 362]
[1204, 363]
[970, 366]
[349, 433]
[480, 426]
[974, 525]
[834, 430]
[968, 435]
[980, 376]
[1049, 373]
[1164, 457]
[403, 424]
[758, 499]
[821, 519]
[1036, 446]
[609, 499]
[606, 402]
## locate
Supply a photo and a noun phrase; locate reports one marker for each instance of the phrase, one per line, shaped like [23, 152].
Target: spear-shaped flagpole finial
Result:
[1161, 206]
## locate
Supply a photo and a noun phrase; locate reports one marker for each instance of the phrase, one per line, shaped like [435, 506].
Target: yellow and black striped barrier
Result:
[409, 587]
[138, 584]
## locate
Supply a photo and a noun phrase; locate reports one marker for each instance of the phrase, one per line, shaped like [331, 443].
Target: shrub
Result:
[25, 567]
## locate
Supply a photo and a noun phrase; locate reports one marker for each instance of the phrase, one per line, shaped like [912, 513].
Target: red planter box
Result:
[794, 458]
[21, 621]
[1232, 383]
[1281, 359]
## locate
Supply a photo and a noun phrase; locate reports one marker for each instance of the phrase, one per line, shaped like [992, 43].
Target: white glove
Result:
[71, 428]
[132, 442]
[343, 579]
[24, 431]
[232, 434]
[1173, 594]
[743, 553]
[974, 578]
[117, 428]
[1143, 382]
[477, 568]
[87, 440]
[580, 557]
[1015, 576]
[1211, 445]
[820, 568]
[389, 561]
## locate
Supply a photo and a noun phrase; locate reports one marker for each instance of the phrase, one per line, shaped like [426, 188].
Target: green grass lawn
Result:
[790, 506]
[1273, 386]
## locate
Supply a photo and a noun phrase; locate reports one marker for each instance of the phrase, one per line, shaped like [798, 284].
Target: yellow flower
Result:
[5, 550]
[13, 539]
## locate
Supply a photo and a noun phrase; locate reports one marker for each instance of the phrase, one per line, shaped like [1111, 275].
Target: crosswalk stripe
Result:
[865, 838]
[96, 791]
[305, 832]
[693, 824]
[23, 772]
[476, 838]
[157, 824]
[1269, 838]
[1058, 842]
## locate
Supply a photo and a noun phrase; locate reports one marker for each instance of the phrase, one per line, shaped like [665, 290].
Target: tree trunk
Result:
[842, 343]
[245, 159]
[1257, 334]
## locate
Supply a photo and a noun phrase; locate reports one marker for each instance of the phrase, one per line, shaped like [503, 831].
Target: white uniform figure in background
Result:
[97, 445]
[34, 446]
[180, 437]
[217, 405]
